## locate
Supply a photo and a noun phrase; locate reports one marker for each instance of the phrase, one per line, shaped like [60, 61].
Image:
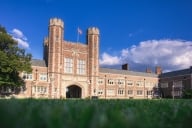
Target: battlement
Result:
[56, 21]
[93, 30]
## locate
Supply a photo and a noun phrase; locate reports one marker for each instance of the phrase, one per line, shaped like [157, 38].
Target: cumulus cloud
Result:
[20, 38]
[107, 59]
[169, 54]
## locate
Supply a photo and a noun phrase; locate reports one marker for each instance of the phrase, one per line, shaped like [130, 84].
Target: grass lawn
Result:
[31, 113]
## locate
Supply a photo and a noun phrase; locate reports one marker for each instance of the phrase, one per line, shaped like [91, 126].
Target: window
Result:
[43, 77]
[149, 92]
[153, 84]
[148, 83]
[139, 92]
[100, 92]
[100, 81]
[177, 83]
[110, 81]
[164, 85]
[81, 68]
[40, 89]
[130, 83]
[176, 93]
[130, 92]
[120, 82]
[139, 83]
[68, 65]
[27, 76]
[8, 89]
[110, 92]
[120, 91]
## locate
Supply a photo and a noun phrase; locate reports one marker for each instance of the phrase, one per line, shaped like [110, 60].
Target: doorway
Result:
[73, 91]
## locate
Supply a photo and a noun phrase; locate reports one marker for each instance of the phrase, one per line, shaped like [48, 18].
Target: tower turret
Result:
[93, 58]
[55, 59]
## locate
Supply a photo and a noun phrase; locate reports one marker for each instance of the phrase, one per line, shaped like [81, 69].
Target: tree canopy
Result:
[13, 60]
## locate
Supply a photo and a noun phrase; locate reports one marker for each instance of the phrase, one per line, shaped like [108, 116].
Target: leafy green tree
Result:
[187, 93]
[13, 60]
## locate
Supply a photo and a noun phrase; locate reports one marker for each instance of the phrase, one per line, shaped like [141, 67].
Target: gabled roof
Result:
[37, 62]
[126, 72]
[177, 73]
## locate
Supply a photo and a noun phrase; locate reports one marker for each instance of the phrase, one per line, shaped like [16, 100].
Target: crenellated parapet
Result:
[93, 31]
[56, 21]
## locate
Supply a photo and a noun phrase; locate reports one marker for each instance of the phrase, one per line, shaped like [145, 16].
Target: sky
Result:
[142, 33]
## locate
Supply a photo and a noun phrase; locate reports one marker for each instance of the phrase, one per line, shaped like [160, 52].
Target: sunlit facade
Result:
[71, 70]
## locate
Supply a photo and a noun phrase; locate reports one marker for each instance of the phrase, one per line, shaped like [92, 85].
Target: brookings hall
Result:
[71, 70]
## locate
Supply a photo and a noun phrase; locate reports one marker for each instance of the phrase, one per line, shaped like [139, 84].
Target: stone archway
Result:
[73, 91]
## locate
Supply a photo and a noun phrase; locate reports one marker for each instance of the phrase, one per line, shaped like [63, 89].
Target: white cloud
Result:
[107, 59]
[21, 42]
[17, 33]
[20, 38]
[169, 54]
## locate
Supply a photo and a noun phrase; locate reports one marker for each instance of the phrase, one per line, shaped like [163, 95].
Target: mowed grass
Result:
[31, 113]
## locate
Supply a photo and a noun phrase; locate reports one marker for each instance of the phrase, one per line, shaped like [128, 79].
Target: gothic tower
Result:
[55, 39]
[93, 59]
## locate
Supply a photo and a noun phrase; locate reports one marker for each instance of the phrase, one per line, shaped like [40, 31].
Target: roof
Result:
[37, 62]
[177, 73]
[127, 72]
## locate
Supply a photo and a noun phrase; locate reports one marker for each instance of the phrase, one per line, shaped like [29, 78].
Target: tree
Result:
[187, 93]
[13, 60]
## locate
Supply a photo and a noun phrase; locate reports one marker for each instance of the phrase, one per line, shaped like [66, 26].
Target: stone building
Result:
[71, 70]
[172, 84]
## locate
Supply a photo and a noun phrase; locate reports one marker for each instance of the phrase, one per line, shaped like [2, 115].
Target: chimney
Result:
[148, 70]
[158, 70]
[125, 67]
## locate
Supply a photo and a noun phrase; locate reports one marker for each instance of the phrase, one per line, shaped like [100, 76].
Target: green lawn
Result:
[95, 113]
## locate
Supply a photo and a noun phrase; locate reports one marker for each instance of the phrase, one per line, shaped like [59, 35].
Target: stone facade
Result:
[172, 84]
[71, 70]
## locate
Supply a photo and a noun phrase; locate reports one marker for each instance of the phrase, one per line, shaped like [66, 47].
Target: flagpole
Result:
[79, 32]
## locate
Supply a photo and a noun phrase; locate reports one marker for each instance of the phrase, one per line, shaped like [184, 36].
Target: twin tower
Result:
[71, 63]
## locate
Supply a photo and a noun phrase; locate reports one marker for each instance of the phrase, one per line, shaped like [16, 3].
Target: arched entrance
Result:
[73, 91]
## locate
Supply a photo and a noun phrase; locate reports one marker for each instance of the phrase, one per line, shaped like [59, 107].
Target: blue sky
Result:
[143, 33]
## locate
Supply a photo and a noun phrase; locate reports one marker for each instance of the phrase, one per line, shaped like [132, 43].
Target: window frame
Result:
[68, 65]
[81, 67]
